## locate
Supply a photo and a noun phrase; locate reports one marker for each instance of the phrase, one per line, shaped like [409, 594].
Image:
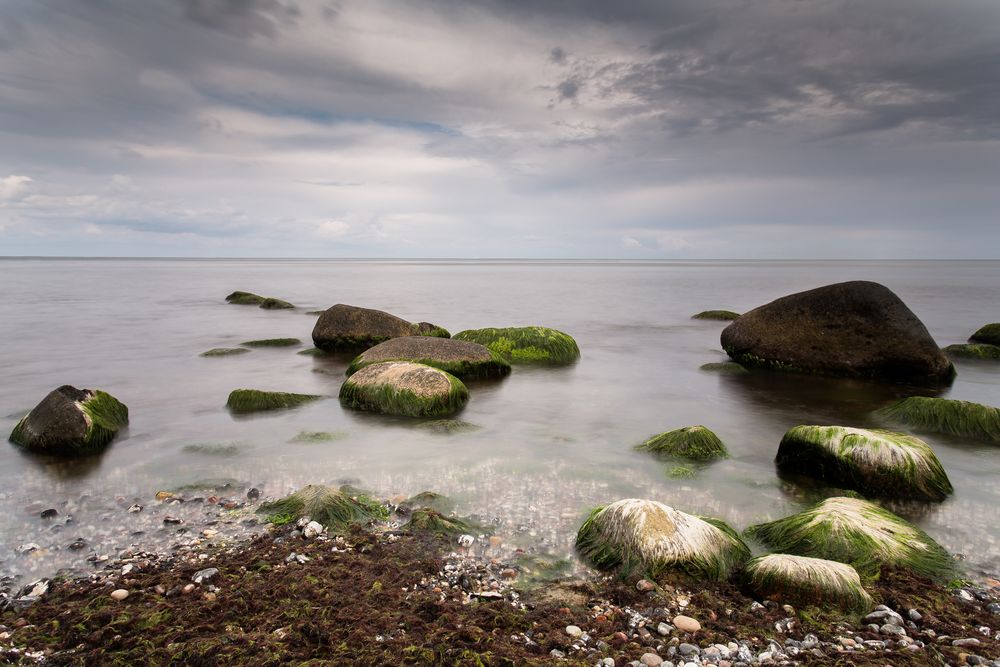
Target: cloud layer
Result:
[689, 129]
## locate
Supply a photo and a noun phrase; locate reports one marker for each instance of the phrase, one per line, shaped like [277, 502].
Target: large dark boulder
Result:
[460, 358]
[856, 329]
[344, 327]
[71, 421]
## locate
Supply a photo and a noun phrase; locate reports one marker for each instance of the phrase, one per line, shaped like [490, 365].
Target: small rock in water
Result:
[172, 520]
[134, 509]
[253, 494]
[164, 495]
[119, 594]
[77, 544]
[466, 540]
[49, 513]
[206, 575]
[686, 624]
[27, 548]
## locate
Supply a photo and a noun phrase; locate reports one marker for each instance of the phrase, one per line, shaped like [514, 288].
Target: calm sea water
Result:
[552, 443]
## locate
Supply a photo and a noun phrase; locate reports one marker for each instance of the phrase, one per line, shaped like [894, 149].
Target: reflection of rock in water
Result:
[60, 468]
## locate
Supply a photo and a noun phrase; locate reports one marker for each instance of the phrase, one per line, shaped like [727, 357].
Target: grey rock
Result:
[206, 575]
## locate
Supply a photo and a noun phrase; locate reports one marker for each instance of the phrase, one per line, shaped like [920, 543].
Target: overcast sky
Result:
[492, 128]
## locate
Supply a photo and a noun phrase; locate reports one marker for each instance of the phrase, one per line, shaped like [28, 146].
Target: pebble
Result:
[466, 540]
[49, 513]
[651, 660]
[688, 649]
[134, 509]
[119, 594]
[914, 615]
[573, 631]
[645, 585]
[188, 588]
[556, 653]
[206, 575]
[971, 641]
[686, 624]
[253, 494]
[663, 629]
[312, 529]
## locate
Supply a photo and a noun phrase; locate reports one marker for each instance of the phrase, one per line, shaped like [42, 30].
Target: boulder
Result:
[945, 415]
[973, 351]
[695, 443]
[245, 401]
[805, 581]
[343, 327]
[272, 342]
[875, 462]
[644, 537]
[404, 388]
[71, 421]
[526, 345]
[331, 507]
[856, 329]
[857, 532]
[723, 315]
[458, 357]
[271, 303]
[989, 334]
[250, 299]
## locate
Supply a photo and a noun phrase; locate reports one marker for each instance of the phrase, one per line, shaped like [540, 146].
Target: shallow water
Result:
[552, 442]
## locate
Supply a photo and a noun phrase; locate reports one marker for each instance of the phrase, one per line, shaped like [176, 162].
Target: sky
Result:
[675, 129]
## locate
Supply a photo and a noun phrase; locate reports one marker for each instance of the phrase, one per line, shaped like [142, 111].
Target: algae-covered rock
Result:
[973, 351]
[458, 357]
[989, 334]
[526, 345]
[406, 389]
[724, 367]
[71, 421]
[723, 315]
[245, 298]
[313, 437]
[272, 342]
[696, 443]
[856, 329]
[875, 462]
[271, 303]
[645, 537]
[428, 520]
[805, 581]
[244, 401]
[432, 330]
[428, 500]
[857, 532]
[343, 327]
[332, 507]
[224, 352]
[945, 415]
[448, 426]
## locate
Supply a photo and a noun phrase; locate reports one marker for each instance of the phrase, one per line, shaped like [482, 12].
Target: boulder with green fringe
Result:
[428, 520]
[71, 421]
[343, 327]
[859, 533]
[636, 537]
[694, 443]
[526, 345]
[805, 581]
[458, 357]
[250, 299]
[974, 351]
[332, 507]
[404, 388]
[245, 401]
[722, 315]
[874, 462]
[989, 334]
[945, 415]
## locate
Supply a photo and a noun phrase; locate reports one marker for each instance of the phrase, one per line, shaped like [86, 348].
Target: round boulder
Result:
[458, 357]
[804, 581]
[722, 315]
[973, 351]
[856, 329]
[526, 345]
[989, 334]
[344, 327]
[695, 443]
[945, 415]
[645, 537]
[404, 388]
[71, 421]
[875, 462]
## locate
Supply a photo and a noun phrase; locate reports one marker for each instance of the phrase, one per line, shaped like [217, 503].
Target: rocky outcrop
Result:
[404, 388]
[71, 421]
[805, 581]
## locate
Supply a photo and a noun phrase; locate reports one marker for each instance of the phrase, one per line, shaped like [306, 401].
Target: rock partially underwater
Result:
[343, 327]
[877, 463]
[458, 357]
[404, 388]
[989, 334]
[859, 533]
[855, 329]
[804, 581]
[526, 345]
[974, 351]
[71, 421]
[331, 507]
[945, 415]
[694, 443]
[721, 315]
[250, 299]
[246, 401]
[644, 537]
[724, 367]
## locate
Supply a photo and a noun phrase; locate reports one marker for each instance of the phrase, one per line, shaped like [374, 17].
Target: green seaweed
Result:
[725, 367]
[974, 351]
[694, 443]
[682, 472]
[271, 303]
[464, 369]
[107, 415]
[272, 342]
[318, 436]
[429, 520]
[314, 352]
[808, 581]
[943, 415]
[331, 507]
[429, 500]
[243, 401]
[245, 298]
[224, 352]
[432, 330]
[989, 333]
[715, 315]
[448, 426]
[526, 345]
[231, 449]
[387, 399]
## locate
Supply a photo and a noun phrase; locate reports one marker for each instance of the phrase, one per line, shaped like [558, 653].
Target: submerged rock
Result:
[526, 345]
[724, 367]
[270, 303]
[331, 507]
[945, 415]
[989, 334]
[856, 329]
[71, 421]
[224, 352]
[404, 388]
[458, 357]
[250, 299]
[243, 401]
[804, 581]
[875, 462]
[272, 342]
[696, 443]
[428, 520]
[857, 532]
[645, 537]
[448, 426]
[973, 351]
[723, 315]
[428, 500]
[343, 327]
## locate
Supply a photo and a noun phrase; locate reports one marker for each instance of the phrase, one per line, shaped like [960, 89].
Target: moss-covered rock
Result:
[944, 415]
[526, 345]
[71, 421]
[313, 437]
[856, 329]
[428, 500]
[458, 357]
[432, 330]
[272, 342]
[332, 507]
[271, 303]
[343, 327]
[695, 443]
[989, 334]
[404, 388]
[859, 533]
[805, 581]
[245, 401]
[448, 426]
[224, 352]
[644, 537]
[875, 462]
[724, 367]
[245, 298]
[428, 520]
[973, 351]
[722, 315]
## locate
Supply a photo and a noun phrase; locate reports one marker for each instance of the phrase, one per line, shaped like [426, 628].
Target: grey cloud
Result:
[242, 18]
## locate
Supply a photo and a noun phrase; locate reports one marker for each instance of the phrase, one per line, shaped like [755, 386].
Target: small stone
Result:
[312, 529]
[119, 594]
[892, 629]
[49, 513]
[77, 544]
[651, 660]
[172, 520]
[688, 649]
[645, 586]
[253, 494]
[914, 615]
[466, 540]
[663, 629]
[164, 495]
[159, 589]
[556, 653]
[27, 548]
[686, 624]
[971, 641]
[209, 533]
[206, 575]
[573, 631]
[209, 596]
[187, 589]
[134, 509]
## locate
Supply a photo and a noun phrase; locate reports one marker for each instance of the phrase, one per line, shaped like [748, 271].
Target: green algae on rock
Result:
[643, 537]
[428, 500]
[224, 352]
[723, 315]
[404, 388]
[313, 437]
[859, 533]
[71, 421]
[805, 581]
[973, 351]
[272, 342]
[724, 367]
[448, 426]
[875, 462]
[271, 303]
[462, 359]
[428, 520]
[245, 298]
[331, 507]
[696, 443]
[526, 345]
[244, 401]
[989, 334]
[432, 330]
[945, 415]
